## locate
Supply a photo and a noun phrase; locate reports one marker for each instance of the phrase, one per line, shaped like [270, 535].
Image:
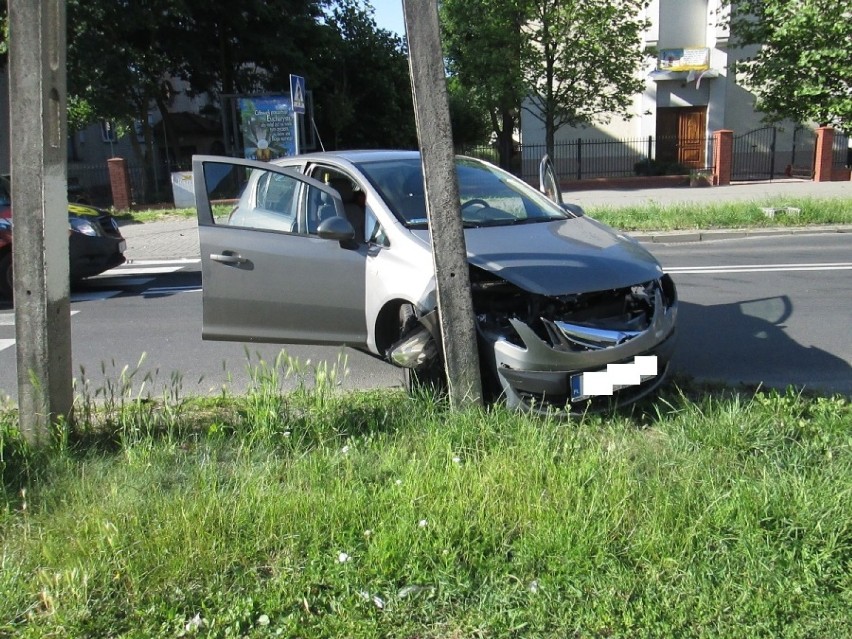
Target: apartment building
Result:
[690, 92]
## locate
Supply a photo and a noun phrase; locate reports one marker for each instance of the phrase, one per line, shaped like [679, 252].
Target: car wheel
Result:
[430, 378]
[6, 275]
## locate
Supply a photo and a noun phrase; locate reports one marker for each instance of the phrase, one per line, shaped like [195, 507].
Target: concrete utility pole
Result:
[40, 212]
[431, 108]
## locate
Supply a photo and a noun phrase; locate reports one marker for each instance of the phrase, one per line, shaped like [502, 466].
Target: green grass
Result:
[656, 217]
[373, 514]
[725, 215]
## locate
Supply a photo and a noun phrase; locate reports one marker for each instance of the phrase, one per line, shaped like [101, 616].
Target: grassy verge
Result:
[683, 216]
[320, 514]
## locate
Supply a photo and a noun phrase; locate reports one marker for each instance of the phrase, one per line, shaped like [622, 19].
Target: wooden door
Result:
[691, 136]
[681, 135]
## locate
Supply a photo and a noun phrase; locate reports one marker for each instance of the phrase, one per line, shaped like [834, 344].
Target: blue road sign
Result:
[297, 93]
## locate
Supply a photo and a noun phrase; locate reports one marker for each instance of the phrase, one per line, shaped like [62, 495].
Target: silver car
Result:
[334, 248]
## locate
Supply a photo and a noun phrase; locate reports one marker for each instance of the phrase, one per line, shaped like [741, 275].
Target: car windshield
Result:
[487, 195]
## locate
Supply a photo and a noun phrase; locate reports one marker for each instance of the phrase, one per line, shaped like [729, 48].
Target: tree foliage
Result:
[121, 52]
[580, 60]
[483, 42]
[575, 61]
[363, 92]
[803, 68]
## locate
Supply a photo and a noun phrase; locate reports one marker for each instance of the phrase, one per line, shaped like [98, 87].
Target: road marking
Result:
[8, 319]
[760, 268]
[6, 343]
[184, 261]
[143, 270]
[170, 290]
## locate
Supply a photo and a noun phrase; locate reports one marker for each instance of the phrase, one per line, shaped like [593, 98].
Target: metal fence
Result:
[90, 183]
[586, 159]
[841, 152]
[755, 158]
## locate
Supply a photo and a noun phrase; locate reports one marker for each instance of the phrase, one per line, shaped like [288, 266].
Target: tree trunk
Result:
[505, 142]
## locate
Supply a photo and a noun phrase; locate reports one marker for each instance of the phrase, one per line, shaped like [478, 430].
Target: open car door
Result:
[279, 261]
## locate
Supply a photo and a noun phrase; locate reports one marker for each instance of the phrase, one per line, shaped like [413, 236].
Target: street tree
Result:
[118, 56]
[362, 90]
[483, 44]
[801, 68]
[471, 123]
[581, 60]
[247, 47]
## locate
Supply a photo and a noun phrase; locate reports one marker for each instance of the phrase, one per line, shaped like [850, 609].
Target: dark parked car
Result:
[95, 242]
[334, 248]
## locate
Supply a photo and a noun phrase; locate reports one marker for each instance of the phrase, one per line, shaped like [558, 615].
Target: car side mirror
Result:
[339, 229]
[573, 209]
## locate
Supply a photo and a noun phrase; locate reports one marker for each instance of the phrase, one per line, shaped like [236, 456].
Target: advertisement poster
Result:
[267, 127]
[684, 59]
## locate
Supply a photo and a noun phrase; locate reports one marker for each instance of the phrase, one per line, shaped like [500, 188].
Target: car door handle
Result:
[228, 258]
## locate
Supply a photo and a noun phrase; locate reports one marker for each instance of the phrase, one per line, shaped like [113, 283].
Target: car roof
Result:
[357, 156]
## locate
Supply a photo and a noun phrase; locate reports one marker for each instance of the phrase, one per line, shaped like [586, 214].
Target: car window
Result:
[261, 199]
[487, 196]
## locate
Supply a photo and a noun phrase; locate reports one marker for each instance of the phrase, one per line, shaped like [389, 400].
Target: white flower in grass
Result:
[398, 482]
[368, 533]
[457, 460]
[345, 449]
[422, 523]
[286, 433]
[377, 601]
[342, 558]
[533, 587]
[263, 620]
[195, 623]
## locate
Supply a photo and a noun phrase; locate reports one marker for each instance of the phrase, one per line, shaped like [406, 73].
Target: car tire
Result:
[6, 276]
[432, 377]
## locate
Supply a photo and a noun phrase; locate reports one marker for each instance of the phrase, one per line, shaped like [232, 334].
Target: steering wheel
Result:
[482, 203]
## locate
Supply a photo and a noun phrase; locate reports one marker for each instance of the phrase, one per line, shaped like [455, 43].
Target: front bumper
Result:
[91, 255]
[538, 374]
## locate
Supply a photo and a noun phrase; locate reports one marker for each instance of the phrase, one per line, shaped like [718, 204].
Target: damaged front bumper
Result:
[540, 374]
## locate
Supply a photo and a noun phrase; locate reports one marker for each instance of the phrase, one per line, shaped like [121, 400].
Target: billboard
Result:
[267, 127]
[684, 59]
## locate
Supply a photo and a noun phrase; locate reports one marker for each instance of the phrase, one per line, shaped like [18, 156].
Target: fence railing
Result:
[841, 153]
[89, 183]
[585, 159]
[754, 158]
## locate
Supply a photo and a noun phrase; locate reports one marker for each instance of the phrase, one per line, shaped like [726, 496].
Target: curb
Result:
[674, 237]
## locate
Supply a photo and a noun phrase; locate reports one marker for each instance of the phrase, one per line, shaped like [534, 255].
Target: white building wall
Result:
[680, 24]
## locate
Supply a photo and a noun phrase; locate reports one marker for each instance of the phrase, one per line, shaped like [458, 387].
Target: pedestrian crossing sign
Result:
[297, 93]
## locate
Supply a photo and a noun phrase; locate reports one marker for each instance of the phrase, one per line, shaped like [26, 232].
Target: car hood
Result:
[564, 257]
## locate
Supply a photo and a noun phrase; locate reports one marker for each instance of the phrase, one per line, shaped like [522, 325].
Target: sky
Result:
[389, 15]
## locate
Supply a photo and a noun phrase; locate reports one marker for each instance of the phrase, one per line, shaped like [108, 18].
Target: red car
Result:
[95, 242]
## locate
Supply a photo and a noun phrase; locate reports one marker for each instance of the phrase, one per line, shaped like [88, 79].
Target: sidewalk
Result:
[178, 239]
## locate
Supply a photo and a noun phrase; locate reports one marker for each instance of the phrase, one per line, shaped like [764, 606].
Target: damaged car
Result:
[334, 248]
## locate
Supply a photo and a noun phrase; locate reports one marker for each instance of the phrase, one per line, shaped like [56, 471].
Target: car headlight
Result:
[81, 225]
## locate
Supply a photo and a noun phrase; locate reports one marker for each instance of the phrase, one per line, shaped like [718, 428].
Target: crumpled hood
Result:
[577, 255]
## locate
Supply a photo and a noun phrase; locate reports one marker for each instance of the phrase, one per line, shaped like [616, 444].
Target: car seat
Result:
[354, 211]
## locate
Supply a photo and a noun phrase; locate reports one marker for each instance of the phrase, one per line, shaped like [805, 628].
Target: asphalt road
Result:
[762, 310]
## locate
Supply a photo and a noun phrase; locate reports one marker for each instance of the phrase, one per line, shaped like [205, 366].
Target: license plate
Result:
[613, 378]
